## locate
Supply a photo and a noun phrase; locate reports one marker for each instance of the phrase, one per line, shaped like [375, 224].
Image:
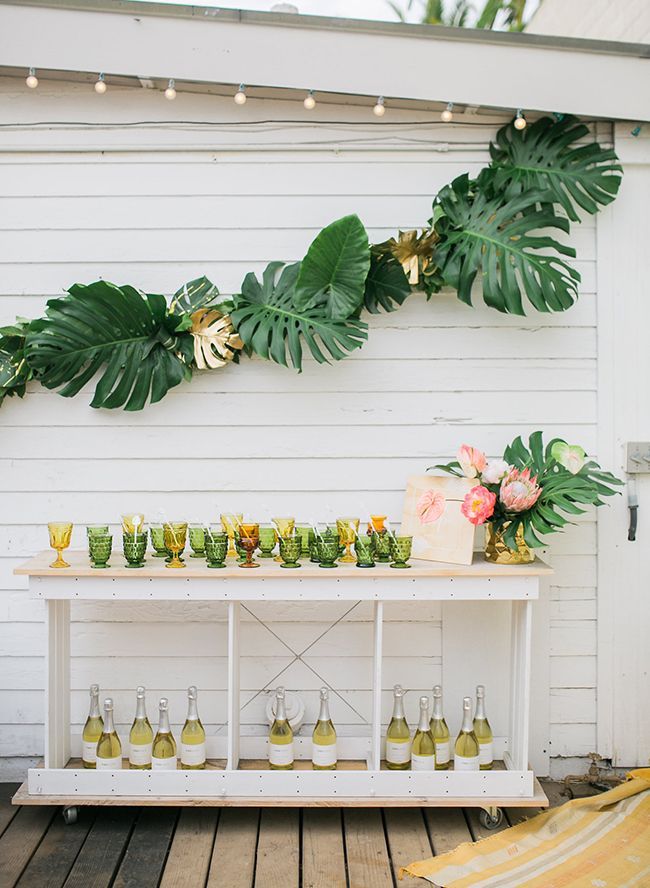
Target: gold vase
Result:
[497, 551]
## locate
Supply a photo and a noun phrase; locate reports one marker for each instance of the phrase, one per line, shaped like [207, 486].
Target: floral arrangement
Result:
[525, 493]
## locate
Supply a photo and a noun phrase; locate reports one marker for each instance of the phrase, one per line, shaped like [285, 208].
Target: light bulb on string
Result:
[100, 85]
[380, 108]
[240, 95]
[520, 120]
[170, 92]
[448, 113]
[32, 80]
[310, 101]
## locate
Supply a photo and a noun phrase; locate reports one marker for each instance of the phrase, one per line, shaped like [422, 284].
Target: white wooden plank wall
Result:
[158, 205]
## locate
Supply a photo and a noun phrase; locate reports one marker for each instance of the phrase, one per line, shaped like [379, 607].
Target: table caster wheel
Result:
[70, 815]
[491, 820]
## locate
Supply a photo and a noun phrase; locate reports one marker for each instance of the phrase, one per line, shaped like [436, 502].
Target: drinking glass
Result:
[60, 534]
[347, 529]
[285, 528]
[134, 547]
[306, 534]
[132, 522]
[328, 550]
[216, 548]
[230, 521]
[94, 529]
[400, 550]
[377, 522]
[268, 539]
[157, 534]
[197, 541]
[100, 546]
[249, 537]
[382, 546]
[290, 550]
[175, 535]
[364, 550]
[313, 551]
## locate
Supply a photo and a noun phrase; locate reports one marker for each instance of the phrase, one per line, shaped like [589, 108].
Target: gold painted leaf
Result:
[215, 339]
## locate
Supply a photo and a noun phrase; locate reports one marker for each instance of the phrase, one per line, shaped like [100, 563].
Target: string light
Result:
[448, 113]
[310, 101]
[240, 95]
[100, 85]
[32, 80]
[520, 120]
[380, 108]
[170, 92]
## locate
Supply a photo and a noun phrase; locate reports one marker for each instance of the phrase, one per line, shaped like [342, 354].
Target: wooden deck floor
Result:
[229, 847]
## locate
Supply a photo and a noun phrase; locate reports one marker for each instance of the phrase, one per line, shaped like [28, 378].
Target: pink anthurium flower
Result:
[478, 505]
[572, 457]
[430, 506]
[472, 461]
[519, 492]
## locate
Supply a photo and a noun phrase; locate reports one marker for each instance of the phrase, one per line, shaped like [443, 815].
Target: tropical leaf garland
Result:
[15, 372]
[386, 286]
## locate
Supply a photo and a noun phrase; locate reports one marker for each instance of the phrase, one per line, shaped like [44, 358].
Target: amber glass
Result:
[285, 527]
[60, 534]
[347, 530]
[328, 550]
[377, 522]
[157, 534]
[216, 548]
[249, 537]
[134, 547]
[268, 539]
[100, 546]
[400, 550]
[364, 550]
[197, 541]
[175, 536]
[290, 550]
[382, 546]
[230, 521]
[132, 522]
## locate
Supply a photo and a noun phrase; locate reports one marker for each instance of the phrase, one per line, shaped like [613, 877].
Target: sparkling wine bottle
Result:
[280, 737]
[440, 731]
[398, 735]
[466, 751]
[140, 736]
[192, 735]
[163, 754]
[323, 755]
[92, 730]
[423, 749]
[483, 731]
[109, 748]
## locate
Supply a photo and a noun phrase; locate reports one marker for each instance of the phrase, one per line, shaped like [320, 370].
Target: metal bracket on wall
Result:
[638, 457]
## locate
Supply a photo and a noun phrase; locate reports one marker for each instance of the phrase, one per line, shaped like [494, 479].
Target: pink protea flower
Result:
[519, 492]
[430, 506]
[472, 461]
[478, 505]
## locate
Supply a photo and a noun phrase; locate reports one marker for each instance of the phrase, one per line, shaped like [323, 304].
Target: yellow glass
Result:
[347, 529]
[175, 534]
[60, 533]
[249, 537]
[230, 522]
[285, 528]
[377, 522]
[133, 522]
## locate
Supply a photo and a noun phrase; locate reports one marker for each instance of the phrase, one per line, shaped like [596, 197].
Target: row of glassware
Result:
[323, 544]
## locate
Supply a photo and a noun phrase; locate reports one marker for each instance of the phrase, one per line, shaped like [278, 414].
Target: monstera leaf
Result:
[199, 293]
[14, 370]
[483, 235]
[270, 324]
[386, 285]
[334, 271]
[139, 350]
[544, 157]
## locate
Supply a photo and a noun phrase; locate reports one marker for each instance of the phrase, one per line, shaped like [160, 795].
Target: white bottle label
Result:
[163, 764]
[422, 762]
[140, 753]
[113, 764]
[323, 756]
[281, 753]
[442, 752]
[89, 753]
[398, 753]
[192, 753]
[486, 755]
[463, 763]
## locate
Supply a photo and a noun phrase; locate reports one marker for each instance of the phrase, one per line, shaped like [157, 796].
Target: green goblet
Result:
[382, 546]
[400, 550]
[216, 548]
[197, 540]
[313, 551]
[157, 534]
[328, 550]
[100, 547]
[306, 534]
[135, 546]
[290, 550]
[364, 550]
[268, 539]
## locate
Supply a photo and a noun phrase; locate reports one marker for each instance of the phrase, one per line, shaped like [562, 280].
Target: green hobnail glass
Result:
[364, 550]
[268, 539]
[157, 534]
[216, 548]
[100, 547]
[306, 534]
[96, 530]
[382, 546]
[197, 540]
[328, 549]
[134, 547]
[290, 551]
[400, 550]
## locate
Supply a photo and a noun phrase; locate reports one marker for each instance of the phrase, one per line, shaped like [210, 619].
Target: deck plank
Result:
[233, 856]
[7, 810]
[57, 852]
[278, 849]
[146, 852]
[191, 849]
[408, 840]
[323, 853]
[19, 841]
[447, 828]
[368, 861]
[103, 849]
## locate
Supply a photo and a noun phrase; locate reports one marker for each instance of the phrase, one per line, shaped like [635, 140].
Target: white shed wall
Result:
[158, 205]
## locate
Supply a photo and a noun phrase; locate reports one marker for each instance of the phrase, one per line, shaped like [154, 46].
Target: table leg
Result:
[376, 686]
[520, 676]
[57, 684]
[234, 613]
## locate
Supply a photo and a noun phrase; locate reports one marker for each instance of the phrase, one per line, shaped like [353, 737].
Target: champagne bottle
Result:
[423, 749]
[466, 751]
[109, 748]
[440, 731]
[323, 754]
[92, 730]
[280, 737]
[192, 736]
[140, 736]
[398, 735]
[163, 754]
[483, 731]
